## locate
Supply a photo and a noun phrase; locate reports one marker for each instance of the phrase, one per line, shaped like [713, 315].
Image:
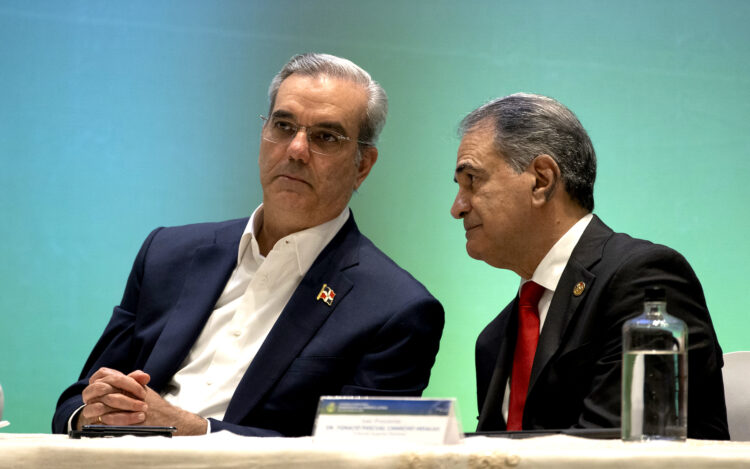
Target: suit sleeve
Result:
[219, 425]
[622, 299]
[113, 349]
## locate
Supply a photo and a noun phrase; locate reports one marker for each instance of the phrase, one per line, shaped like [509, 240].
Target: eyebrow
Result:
[462, 167]
[330, 125]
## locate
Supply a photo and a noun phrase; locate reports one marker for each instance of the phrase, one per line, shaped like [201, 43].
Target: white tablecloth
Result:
[224, 450]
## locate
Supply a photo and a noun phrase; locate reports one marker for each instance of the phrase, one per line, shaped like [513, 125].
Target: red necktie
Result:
[523, 358]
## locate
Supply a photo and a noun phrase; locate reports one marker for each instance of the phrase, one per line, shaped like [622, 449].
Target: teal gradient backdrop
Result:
[117, 117]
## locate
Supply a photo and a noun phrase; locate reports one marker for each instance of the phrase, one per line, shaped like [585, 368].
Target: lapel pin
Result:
[326, 294]
[578, 289]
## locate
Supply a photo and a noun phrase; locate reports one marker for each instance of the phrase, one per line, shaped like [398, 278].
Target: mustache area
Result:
[293, 173]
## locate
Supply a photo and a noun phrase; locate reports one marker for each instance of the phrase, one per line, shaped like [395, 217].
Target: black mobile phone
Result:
[99, 431]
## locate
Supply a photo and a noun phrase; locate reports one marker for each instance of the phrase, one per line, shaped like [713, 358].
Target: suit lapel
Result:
[565, 302]
[298, 322]
[211, 266]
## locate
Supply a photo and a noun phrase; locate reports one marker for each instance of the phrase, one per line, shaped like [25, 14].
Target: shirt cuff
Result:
[73, 416]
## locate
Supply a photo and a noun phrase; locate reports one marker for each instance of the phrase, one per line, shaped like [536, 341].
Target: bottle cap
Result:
[654, 294]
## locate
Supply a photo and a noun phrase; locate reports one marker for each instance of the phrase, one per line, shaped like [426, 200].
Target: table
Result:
[224, 450]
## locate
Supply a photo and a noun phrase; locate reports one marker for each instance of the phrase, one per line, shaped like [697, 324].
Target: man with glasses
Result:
[243, 325]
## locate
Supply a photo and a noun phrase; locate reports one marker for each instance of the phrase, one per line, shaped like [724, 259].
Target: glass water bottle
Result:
[654, 373]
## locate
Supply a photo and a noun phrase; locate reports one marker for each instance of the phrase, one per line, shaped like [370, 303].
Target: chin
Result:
[292, 201]
[473, 253]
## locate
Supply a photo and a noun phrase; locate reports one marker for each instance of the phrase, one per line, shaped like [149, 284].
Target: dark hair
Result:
[529, 125]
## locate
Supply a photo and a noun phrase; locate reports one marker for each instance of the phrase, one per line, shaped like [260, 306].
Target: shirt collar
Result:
[307, 243]
[549, 271]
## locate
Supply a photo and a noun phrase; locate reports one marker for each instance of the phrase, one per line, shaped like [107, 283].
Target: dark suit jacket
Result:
[379, 337]
[576, 375]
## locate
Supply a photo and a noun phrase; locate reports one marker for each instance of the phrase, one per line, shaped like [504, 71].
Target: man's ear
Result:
[369, 157]
[546, 174]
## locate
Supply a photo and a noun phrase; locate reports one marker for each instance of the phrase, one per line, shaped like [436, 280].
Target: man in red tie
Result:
[552, 358]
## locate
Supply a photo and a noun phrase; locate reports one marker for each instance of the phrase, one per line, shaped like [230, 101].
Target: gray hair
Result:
[313, 64]
[529, 125]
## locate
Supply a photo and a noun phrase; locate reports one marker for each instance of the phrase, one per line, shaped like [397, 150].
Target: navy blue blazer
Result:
[576, 374]
[379, 337]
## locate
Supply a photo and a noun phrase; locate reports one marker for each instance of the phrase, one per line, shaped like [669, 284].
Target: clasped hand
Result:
[114, 398]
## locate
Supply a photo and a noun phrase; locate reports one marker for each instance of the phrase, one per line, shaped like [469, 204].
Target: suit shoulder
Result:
[175, 243]
[627, 265]
[198, 232]
[199, 229]
[599, 241]
[623, 249]
[377, 268]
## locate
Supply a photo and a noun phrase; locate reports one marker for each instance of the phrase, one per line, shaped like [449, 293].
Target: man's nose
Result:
[299, 147]
[460, 206]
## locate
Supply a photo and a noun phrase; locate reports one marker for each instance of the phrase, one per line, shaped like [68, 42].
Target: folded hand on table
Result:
[114, 398]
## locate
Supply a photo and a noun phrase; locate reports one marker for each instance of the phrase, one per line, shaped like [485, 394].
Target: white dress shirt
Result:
[254, 297]
[548, 273]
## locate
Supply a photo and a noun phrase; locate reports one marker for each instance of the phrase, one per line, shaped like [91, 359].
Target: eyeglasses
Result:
[321, 140]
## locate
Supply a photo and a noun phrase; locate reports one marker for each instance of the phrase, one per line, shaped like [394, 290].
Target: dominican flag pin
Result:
[326, 294]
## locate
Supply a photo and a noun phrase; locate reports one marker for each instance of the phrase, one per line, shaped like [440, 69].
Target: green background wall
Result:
[117, 117]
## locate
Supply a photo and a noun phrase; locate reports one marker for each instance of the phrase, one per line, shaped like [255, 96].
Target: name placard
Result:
[417, 420]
